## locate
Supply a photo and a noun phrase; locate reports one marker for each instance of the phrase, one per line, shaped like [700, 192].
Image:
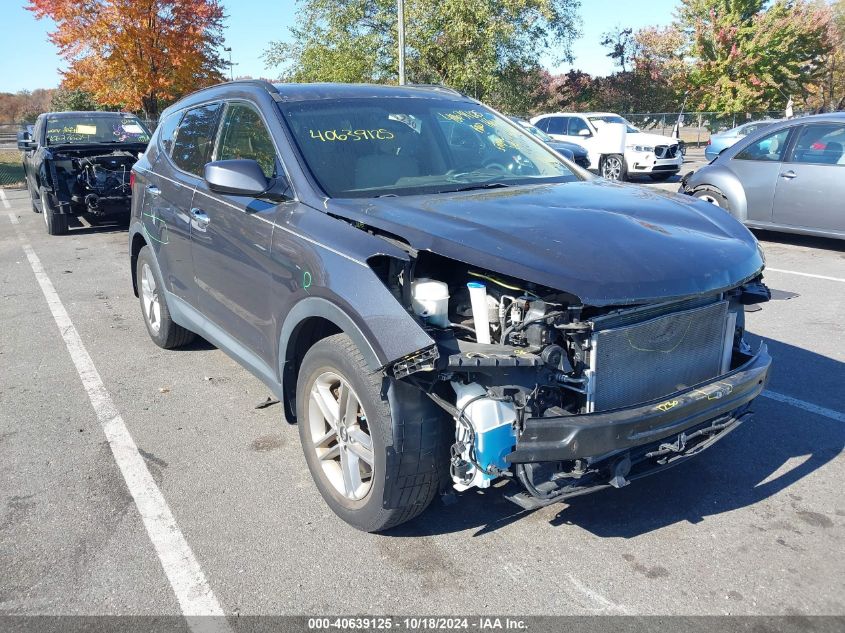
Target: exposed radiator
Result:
[635, 363]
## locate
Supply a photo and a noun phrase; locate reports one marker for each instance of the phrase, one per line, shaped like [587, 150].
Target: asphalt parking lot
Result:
[756, 525]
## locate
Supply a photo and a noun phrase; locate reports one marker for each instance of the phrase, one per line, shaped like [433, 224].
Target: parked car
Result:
[723, 140]
[437, 297]
[80, 162]
[572, 151]
[658, 157]
[788, 176]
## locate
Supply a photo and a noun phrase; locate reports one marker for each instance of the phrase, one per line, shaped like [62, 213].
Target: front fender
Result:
[716, 176]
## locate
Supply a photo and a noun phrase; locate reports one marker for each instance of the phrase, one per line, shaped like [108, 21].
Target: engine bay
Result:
[508, 351]
[91, 181]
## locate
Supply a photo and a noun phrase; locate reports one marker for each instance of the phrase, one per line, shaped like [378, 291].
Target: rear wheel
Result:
[56, 223]
[160, 326]
[613, 167]
[346, 430]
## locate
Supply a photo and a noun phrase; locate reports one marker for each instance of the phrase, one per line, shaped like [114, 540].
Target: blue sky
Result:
[252, 24]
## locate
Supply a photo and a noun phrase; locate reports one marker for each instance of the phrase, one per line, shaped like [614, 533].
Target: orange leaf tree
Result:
[136, 54]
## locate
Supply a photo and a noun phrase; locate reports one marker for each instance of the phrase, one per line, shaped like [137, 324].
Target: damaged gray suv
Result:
[441, 301]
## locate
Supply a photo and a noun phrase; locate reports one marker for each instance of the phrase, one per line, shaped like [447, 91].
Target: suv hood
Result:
[607, 243]
[644, 138]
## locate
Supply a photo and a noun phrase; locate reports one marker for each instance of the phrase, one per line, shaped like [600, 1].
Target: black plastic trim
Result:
[563, 438]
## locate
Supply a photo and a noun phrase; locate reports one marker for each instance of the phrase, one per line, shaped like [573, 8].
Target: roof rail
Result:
[258, 83]
[437, 87]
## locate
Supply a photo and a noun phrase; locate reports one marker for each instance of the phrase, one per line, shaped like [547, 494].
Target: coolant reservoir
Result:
[493, 422]
[430, 300]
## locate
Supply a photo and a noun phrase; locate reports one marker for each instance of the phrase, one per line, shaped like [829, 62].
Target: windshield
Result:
[84, 129]
[403, 146]
[598, 120]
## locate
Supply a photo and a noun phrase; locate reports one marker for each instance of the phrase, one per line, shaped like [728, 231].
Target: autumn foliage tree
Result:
[136, 54]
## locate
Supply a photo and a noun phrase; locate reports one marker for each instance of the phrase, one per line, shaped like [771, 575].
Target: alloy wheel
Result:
[612, 168]
[340, 436]
[150, 298]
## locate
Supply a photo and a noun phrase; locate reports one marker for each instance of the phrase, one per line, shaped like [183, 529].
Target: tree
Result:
[752, 54]
[24, 106]
[621, 43]
[65, 100]
[136, 54]
[486, 48]
[830, 95]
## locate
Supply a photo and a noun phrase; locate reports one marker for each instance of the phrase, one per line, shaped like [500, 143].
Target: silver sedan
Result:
[787, 177]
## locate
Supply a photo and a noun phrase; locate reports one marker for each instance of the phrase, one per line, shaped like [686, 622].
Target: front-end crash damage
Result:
[565, 397]
[88, 180]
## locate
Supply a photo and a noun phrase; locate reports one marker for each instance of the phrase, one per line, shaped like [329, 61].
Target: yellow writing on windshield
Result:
[351, 135]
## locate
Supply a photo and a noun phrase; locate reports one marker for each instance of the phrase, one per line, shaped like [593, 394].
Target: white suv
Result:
[657, 156]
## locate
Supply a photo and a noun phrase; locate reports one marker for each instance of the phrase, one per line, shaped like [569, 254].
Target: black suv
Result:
[80, 163]
[439, 299]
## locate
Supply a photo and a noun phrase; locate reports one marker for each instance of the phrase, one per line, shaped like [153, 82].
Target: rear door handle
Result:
[154, 191]
[200, 217]
[789, 175]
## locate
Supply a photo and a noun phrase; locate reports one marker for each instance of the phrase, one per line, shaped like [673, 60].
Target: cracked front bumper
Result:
[598, 435]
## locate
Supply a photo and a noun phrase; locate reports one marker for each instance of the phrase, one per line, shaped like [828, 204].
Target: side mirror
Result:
[239, 177]
[584, 132]
[25, 141]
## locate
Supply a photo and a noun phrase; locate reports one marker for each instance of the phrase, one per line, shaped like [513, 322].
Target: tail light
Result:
[131, 179]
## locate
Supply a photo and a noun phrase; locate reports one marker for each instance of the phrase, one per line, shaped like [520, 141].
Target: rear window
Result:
[167, 131]
[195, 138]
[404, 146]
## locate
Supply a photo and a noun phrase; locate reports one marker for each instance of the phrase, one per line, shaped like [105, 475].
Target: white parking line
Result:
[795, 272]
[807, 406]
[186, 577]
[4, 199]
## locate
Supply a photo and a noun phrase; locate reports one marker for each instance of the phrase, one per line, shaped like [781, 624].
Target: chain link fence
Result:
[696, 127]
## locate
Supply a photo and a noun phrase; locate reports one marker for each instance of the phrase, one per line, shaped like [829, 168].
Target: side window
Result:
[194, 138]
[769, 148]
[577, 125]
[244, 136]
[543, 124]
[821, 144]
[167, 130]
[557, 125]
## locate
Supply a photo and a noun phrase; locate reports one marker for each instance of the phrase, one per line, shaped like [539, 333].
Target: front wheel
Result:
[713, 197]
[613, 167]
[56, 223]
[346, 430]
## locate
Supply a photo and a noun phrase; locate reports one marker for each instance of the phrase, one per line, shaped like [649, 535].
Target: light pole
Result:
[401, 42]
[228, 49]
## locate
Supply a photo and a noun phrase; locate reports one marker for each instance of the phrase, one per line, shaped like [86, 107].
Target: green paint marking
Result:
[306, 280]
[162, 239]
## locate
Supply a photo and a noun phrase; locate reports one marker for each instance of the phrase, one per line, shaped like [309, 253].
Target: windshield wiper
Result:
[481, 185]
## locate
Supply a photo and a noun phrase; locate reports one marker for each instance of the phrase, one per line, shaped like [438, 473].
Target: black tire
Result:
[613, 167]
[662, 176]
[56, 223]
[406, 472]
[714, 197]
[168, 335]
[33, 198]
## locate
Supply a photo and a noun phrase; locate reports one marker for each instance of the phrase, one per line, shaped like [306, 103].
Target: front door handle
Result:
[789, 175]
[154, 191]
[200, 218]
